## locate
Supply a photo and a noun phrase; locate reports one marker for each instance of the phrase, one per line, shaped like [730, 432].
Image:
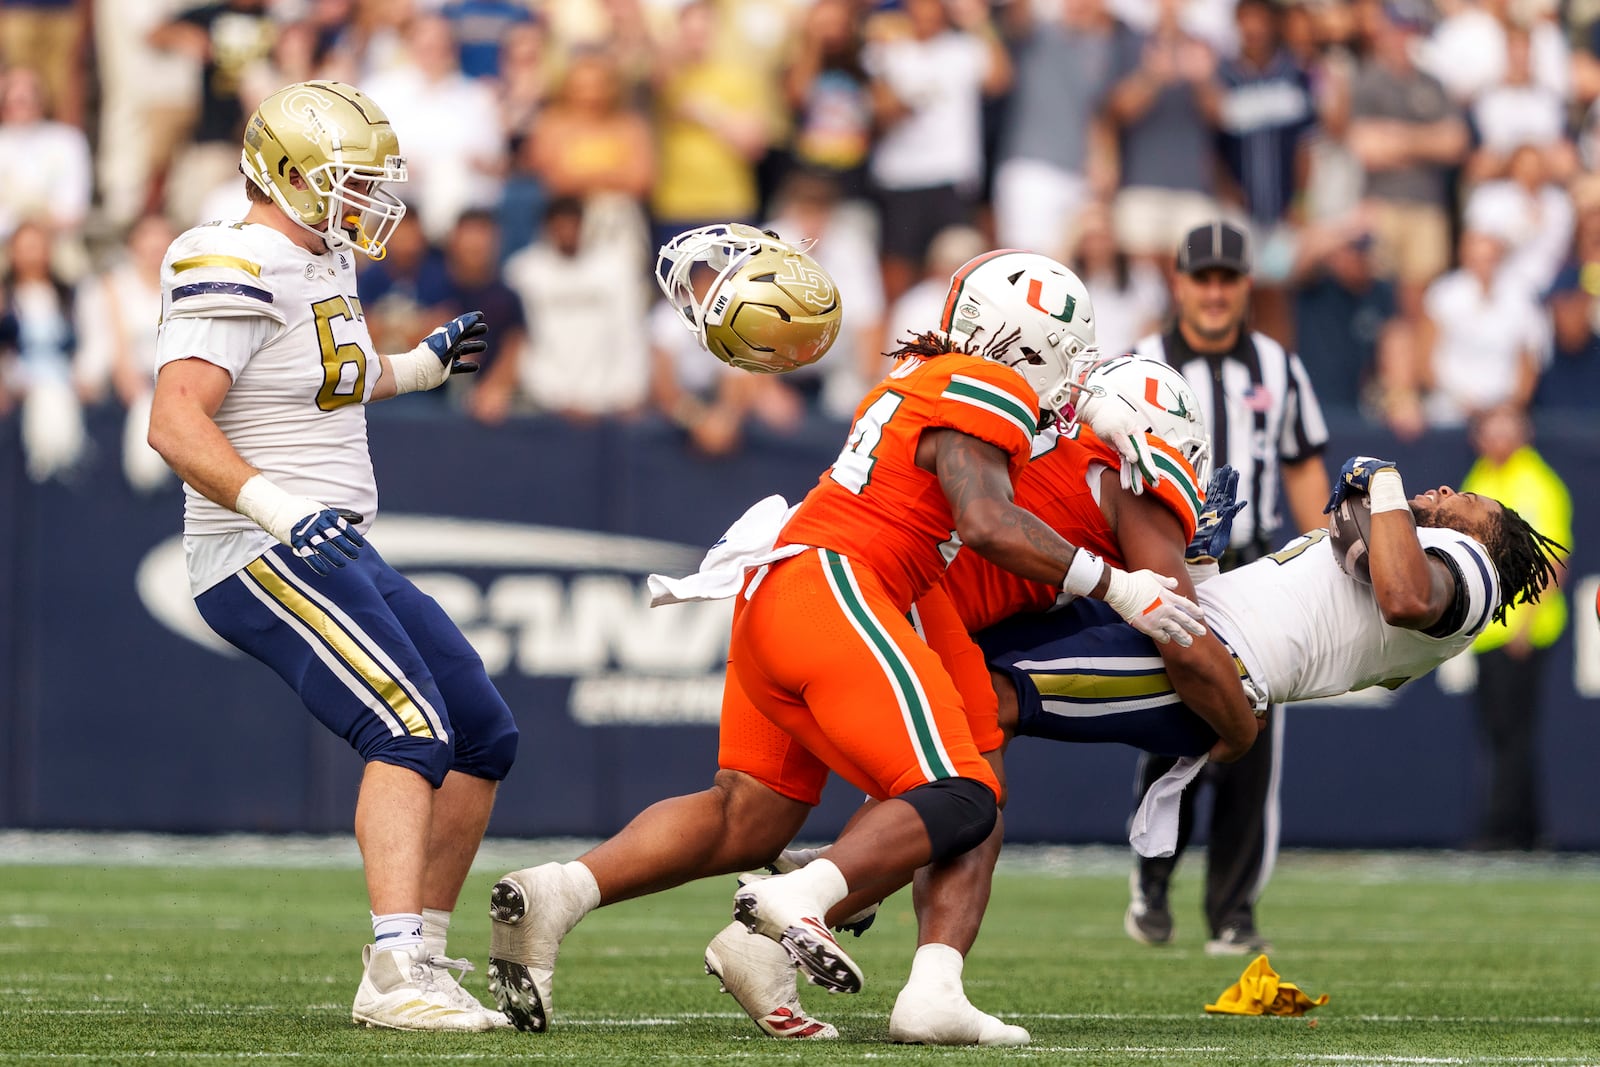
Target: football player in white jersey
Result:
[1443, 565]
[265, 364]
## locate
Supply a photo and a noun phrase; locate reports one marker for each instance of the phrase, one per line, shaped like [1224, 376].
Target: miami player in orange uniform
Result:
[825, 669]
[1074, 485]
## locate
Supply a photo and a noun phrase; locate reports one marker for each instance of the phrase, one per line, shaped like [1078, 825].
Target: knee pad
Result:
[485, 742]
[492, 753]
[958, 813]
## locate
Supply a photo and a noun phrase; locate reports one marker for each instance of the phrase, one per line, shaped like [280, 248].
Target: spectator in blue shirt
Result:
[480, 26]
[1266, 115]
[1346, 320]
[1572, 380]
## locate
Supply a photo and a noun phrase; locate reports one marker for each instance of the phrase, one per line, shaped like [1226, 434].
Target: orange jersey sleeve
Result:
[1057, 487]
[874, 504]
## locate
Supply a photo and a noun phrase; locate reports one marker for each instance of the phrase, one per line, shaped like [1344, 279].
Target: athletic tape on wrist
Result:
[1387, 493]
[269, 506]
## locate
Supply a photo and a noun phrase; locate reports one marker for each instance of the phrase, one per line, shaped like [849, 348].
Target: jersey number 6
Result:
[344, 367]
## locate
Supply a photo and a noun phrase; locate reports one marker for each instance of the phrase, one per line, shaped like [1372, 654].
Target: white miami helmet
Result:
[1026, 311]
[1161, 398]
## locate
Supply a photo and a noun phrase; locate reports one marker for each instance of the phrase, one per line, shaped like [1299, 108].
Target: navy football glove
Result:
[457, 339]
[1215, 528]
[1356, 477]
[327, 538]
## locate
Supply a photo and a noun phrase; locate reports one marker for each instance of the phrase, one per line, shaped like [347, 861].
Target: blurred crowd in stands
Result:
[1421, 182]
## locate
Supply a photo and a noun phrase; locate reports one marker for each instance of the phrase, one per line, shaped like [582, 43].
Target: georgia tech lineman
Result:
[265, 364]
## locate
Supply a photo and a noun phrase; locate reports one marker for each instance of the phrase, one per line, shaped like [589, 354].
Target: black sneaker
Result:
[1148, 919]
[1238, 941]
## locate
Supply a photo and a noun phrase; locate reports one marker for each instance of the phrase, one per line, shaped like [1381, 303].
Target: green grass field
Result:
[220, 956]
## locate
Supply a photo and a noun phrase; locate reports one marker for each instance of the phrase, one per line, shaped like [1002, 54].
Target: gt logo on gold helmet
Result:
[321, 150]
[755, 302]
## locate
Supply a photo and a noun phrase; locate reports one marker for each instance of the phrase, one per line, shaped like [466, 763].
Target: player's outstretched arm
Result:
[446, 351]
[1203, 674]
[976, 480]
[184, 431]
[1413, 589]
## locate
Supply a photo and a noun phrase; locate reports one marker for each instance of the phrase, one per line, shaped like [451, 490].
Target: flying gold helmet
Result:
[754, 301]
[340, 146]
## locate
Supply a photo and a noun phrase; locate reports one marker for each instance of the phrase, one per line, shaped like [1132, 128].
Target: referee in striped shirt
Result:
[1265, 422]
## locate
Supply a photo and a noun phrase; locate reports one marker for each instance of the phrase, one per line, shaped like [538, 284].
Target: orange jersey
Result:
[875, 505]
[1058, 487]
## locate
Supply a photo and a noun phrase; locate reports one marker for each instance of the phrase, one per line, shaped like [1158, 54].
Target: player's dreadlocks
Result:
[931, 343]
[1523, 557]
[927, 345]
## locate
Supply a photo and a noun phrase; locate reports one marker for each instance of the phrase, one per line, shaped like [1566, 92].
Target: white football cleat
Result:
[760, 976]
[933, 1009]
[531, 911]
[399, 991]
[451, 986]
[773, 908]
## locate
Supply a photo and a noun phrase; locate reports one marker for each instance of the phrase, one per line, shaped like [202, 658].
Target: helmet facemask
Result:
[721, 249]
[361, 213]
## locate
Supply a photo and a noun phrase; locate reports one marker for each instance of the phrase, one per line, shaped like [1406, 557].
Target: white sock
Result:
[937, 965]
[583, 883]
[402, 929]
[821, 880]
[435, 930]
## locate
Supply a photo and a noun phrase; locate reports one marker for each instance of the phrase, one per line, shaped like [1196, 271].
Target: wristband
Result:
[1386, 493]
[1084, 574]
[270, 507]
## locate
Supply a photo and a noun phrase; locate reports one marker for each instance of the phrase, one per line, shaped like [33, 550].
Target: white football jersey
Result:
[1305, 629]
[295, 408]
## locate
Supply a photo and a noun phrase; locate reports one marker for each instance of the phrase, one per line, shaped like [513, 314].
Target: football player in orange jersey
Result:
[1074, 485]
[825, 669]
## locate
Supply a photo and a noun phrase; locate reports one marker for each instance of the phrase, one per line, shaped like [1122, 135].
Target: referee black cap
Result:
[1215, 244]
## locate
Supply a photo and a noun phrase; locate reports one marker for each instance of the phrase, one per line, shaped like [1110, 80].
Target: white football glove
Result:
[1120, 425]
[1146, 600]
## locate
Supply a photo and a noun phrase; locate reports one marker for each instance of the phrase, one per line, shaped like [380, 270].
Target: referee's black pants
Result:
[1509, 701]
[1244, 827]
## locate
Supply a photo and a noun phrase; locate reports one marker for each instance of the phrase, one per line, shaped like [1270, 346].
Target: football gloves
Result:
[325, 539]
[462, 336]
[1356, 477]
[1122, 426]
[443, 352]
[1215, 528]
[1146, 601]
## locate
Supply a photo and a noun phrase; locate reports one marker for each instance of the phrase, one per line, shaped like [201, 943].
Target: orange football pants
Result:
[826, 673]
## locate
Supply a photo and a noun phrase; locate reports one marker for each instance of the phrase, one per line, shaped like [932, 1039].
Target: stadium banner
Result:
[119, 710]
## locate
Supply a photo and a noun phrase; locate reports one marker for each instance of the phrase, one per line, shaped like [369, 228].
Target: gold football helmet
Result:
[321, 150]
[755, 302]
